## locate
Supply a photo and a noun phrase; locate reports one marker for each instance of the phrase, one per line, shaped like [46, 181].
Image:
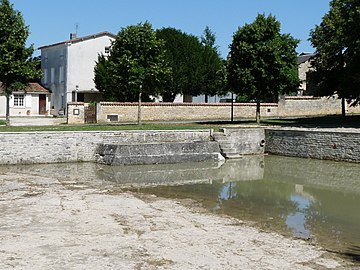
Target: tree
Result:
[135, 66]
[337, 59]
[184, 53]
[16, 67]
[262, 63]
[211, 65]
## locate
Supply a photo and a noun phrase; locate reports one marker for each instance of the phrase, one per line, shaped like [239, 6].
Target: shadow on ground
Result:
[329, 121]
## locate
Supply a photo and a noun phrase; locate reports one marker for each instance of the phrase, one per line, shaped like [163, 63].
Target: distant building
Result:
[68, 69]
[304, 66]
[34, 100]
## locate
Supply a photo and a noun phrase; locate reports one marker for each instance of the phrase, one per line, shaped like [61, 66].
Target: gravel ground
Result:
[46, 224]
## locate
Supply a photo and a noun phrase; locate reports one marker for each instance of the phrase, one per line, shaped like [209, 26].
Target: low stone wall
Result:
[286, 107]
[306, 106]
[128, 112]
[57, 147]
[339, 145]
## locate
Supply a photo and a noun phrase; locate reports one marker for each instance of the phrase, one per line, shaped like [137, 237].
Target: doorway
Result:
[42, 104]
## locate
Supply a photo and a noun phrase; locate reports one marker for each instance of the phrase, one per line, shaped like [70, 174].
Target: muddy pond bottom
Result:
[303, 198]
[310, 199]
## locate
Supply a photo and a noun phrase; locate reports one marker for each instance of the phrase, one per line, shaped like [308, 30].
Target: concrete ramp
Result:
[157, 153]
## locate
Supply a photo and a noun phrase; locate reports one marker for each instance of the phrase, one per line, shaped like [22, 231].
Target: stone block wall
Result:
[311, 106]
[128, 112]
[76, 113]
[319, 144]
[157, 153]
[58, 147]
[247, 140]
[116, 112]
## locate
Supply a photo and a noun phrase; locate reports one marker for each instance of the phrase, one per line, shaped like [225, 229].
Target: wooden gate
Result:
[90, 114]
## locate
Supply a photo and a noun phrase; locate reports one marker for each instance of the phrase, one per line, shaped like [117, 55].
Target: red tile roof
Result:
[32, 88]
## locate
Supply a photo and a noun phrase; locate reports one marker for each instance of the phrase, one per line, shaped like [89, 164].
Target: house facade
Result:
[68, 69]
[34, 100]
[304, 66]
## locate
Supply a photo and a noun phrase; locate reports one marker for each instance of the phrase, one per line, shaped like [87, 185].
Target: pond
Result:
[311, 199]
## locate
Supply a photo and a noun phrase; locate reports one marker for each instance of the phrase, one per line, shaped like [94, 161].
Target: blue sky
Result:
[52, 21]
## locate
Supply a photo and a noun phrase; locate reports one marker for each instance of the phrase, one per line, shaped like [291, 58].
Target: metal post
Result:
[139, 107]
[232, 107]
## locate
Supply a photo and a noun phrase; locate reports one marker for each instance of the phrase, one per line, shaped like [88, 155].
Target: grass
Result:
[94, 127]
[2, 122]
[331, 121]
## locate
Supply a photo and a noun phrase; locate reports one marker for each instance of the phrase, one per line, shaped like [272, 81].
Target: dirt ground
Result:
[48, 224]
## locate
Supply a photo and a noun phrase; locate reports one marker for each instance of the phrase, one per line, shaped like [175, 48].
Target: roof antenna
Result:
[76, 28]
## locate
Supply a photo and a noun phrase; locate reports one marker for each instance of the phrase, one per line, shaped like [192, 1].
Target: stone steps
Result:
[157, 153]
[226, 146]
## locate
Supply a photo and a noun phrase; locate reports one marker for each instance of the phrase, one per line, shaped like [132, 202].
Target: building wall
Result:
[303, 69]
[53, 60]
[70, 67]
[319, 144]
[82, 57]
[30, 108]
[2, 106]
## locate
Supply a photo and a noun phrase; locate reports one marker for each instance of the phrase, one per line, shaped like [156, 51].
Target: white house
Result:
[68, 69]
[34, 100]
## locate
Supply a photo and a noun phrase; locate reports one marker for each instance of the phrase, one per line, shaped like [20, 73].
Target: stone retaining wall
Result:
[157, 153]
[339, 145]
[57, 147]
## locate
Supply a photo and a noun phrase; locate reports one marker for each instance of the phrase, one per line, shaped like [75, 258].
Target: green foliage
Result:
[262, 63]
[183, 53]
[194, 63]
[337, 59]
[16, 67]
[136, 63]
[211, 65]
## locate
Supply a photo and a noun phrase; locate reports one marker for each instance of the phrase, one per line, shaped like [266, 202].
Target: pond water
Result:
[310, 199]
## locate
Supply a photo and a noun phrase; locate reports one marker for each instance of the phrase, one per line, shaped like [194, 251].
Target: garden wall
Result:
[116, 112]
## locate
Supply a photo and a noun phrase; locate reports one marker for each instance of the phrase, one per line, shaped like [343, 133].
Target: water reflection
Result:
[311, 199]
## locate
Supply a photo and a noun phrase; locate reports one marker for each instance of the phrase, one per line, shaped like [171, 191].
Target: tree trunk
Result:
[7, 110]
[206, 99]
[343, 107]
[258, 111]
[139, 111]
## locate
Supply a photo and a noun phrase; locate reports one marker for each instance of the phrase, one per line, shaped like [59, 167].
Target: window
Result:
[45, 76]
[61, 74]
[52, 75]
[18, 100]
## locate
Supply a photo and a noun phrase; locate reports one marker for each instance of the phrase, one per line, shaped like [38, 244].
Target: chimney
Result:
[73, 36]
